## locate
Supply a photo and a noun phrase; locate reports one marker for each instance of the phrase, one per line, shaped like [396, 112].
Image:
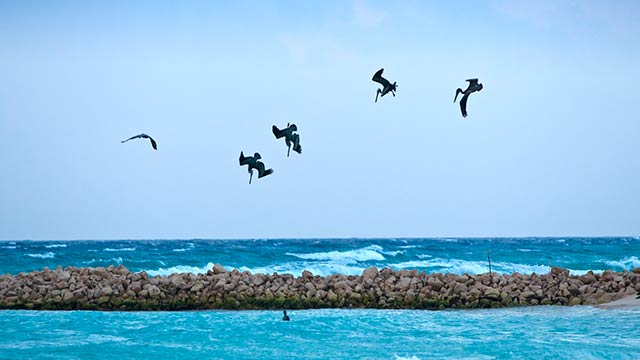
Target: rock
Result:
[154, 291]
[605, 299]
[257, 281]
[527, 294]
[219, 269]
[434, 283]
[177, 281]
[106, 291]
[199, 285]
[369, 274]
[575, 301]
[306, 274]
[492, 294]
[559, 271]
[67, 295]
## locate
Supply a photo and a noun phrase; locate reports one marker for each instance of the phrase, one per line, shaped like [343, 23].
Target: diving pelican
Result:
[474, 86]
[386, 85]
[289, 137]
[253, 163]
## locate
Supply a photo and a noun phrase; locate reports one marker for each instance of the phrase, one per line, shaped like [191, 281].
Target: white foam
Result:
[406, 358]
[48, 255]
[296, 269]
[180, 269]
[9, 247]
[345, 257]
[393, 253]
[121, 249]
[627, 263]
[582, 272]
[180, 250]
[458, 266]
[55, 246]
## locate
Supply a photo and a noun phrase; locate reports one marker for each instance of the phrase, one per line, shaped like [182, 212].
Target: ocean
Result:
[542, 332]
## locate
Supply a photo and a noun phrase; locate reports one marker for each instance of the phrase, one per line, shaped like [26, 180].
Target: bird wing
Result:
[133, 137]
[463, 105]
[472, 81]
[153, 143]
[277, 132]
[377, 77]
[244, 160]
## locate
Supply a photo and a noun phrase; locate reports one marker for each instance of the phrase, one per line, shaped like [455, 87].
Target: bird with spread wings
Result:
[143, 136]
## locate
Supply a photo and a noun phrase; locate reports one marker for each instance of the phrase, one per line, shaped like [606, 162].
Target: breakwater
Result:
[117, 288]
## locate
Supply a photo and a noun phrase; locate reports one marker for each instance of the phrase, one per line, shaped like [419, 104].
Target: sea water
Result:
[542, 332]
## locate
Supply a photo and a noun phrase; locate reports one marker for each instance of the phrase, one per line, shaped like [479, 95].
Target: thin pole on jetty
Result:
[489, 258]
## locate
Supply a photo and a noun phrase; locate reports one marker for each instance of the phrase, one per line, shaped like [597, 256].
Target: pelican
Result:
[474, 86]
[253, 163]
[386, 85]
[143, 136]
[289, 137]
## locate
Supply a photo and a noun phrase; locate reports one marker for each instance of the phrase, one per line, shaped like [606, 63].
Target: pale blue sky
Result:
[550, 147]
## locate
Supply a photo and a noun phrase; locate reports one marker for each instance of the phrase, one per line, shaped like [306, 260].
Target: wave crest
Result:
[48, 255]
[369, 253]
[627, 263]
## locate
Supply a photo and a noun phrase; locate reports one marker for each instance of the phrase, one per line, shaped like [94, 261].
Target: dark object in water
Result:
[143, 136]
[253, 163]
[473, 87]
[386, 84]
[285, 317]
[289, 137]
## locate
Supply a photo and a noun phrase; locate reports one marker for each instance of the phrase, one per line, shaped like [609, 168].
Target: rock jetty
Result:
[116, 288]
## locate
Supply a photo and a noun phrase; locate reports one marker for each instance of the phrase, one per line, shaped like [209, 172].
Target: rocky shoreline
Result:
[116, 288]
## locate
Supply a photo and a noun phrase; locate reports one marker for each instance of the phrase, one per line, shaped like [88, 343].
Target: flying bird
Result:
[143, 136]
[289, 137]
[386, 85]
[474, 86]
[253, 163]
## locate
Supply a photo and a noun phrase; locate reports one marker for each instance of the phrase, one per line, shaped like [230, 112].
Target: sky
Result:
[550, 146]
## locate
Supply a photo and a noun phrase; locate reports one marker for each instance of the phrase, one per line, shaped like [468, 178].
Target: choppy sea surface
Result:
[328, 256]
[542, 332]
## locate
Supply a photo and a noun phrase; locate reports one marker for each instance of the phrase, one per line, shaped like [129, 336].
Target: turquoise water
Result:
[535, 332]
[328, 256]
[538, 332]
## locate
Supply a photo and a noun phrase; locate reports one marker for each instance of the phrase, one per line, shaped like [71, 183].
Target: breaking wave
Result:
[180, 269]
[627, 263]
[56, 246]
[48, 255]
[369, 253]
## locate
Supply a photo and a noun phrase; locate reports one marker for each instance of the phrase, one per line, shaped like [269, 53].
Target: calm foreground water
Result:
[523, 333]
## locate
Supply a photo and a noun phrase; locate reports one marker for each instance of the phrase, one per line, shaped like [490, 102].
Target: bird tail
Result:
[458, 91]
[277, 132]
[243, 159]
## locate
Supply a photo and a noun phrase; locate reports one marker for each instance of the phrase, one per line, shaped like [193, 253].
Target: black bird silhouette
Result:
[285, 317]
[386, 85]
[143, 136]
[289, 137]
[473, 87]
[253, 163]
